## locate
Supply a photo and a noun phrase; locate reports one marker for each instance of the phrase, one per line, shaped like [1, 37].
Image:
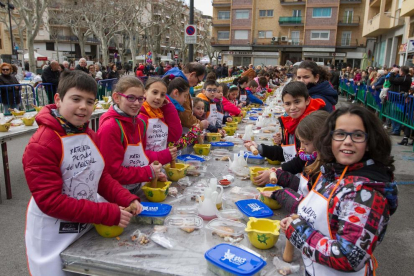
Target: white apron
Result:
[314, 209]
[243, 98]
[134, 156]
[303, 184]
[289, 151]
[213, 116]
[157, 135]
[220, 117]
[46, 237]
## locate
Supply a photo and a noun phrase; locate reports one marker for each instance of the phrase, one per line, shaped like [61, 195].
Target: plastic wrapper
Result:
[220, 152]
[235, 140]
[186, 210]
[239, 165]
[140, 238]
[263, 121]
[162, 240]
[172, 191]
[185, 181]
[284, 268]
[196, 170]
[230, 214]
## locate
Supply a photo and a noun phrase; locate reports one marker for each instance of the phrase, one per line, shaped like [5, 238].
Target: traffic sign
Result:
[190, 34]
[175, 56]
[41, 58]
[219, 57]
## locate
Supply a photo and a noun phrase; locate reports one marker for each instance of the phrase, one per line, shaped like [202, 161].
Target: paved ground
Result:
[393, 255]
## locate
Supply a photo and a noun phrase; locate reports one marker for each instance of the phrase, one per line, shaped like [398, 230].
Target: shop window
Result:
[322, 13]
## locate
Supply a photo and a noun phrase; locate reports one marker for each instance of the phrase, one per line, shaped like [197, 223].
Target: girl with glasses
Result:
[10, 96]
[345, 215]
[122, 138]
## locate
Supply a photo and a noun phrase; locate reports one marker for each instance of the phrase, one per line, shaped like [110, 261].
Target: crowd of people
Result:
[336, 183]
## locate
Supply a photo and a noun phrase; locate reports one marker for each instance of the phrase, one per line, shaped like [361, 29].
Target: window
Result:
[265, 34]
[223, 35]
[346, 38]
[266, 13]
[320, 35]
[223, 15]
[239, 34]
[50, 46]
[242, 14]
[322, 12]
[348, 16]
[295, 37]
[297, 13]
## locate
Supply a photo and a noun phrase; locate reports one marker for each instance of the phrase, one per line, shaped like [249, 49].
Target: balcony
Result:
[351, 2]
[374, 3]
[219, 42]
[292, 2]
[221, 22]
[349, 22]
[377, 25]
[55, 22]
[347, 43]
[407, 8]
[221, 3]
[290, 21]
[283, 41]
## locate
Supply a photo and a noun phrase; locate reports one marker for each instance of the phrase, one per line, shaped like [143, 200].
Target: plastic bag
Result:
[248, 133]
[284, 268]
[239, 165]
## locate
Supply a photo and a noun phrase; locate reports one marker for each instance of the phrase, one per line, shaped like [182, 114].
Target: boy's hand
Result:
[138, 207]
[277, 138]
[173, 152]
[204, 124]
[266, 193]
[222, 132]
[125, 218]
[249, 144]
[229, 119]
[162, 177]
[263, 177]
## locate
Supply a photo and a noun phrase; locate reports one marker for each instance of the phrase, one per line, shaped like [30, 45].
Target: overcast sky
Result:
[203, 5]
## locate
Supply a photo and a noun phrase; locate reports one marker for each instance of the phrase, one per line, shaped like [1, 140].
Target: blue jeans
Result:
[396, 127]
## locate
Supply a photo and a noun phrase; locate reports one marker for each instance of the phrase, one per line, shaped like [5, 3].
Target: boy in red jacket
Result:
[65, 171]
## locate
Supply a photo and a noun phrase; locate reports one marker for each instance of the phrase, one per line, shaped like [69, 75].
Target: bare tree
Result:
[31, 11]
[18, 24]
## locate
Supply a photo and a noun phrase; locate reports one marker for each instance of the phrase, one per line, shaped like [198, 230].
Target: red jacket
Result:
[109, 137]
[140, 71]
[41, 164]
[171, 118]
[229, 107]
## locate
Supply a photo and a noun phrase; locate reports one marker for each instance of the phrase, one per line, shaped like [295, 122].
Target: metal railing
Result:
[44, 93]
[290, 20]
[293, 2]
[105, 88]
[19, 96]
[345, 21]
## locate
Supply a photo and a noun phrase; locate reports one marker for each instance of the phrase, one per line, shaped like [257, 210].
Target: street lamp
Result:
[10, 7]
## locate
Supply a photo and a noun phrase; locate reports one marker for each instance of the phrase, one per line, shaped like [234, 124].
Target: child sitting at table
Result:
[198, 108]
[233, 96]
[65, 172]
[298, 104]
[122, 138]
[210, 107]
[228, 106]
[218, 99]
[251, 90]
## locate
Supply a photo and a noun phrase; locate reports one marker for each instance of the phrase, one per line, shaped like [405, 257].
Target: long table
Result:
[95, 255]
[23, 130]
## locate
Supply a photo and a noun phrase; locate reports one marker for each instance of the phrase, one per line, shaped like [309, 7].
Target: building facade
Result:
[271, 32]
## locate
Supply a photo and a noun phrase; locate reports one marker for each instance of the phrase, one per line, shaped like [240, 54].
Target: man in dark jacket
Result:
[51, 75]
[334, 78]
[400, 79]
[82, 66]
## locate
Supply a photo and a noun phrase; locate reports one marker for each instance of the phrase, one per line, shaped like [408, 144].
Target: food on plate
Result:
[188, 229]
[224, 182]
[266, 131]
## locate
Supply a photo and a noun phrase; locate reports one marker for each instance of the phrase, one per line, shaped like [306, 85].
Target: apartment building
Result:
[272, 32]
[407, 10]
[388, 22]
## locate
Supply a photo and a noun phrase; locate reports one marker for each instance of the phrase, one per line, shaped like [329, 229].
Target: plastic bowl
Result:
[202, 149]
[237, 119]
[38, 108]
[254, 172]
[213, 137]
[270, 202]
[5, 127]
[105, 98]
[108, 231]
[28, 121]
[156, 194]
[230, 130]
[232, 124]
[277, 162]
[19, 113]
[263, 233]
[175, 174]
[106, 105]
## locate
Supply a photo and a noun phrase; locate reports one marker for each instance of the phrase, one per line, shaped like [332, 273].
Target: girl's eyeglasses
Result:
[356, 137]
[132, 98]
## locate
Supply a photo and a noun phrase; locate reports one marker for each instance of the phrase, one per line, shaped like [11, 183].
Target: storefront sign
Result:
[311, 54]
[237, 53]
[403, 48]
[268, 54]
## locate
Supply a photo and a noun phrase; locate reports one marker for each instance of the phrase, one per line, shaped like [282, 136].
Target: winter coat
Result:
[380, 82]
[230, 108]
[84, 69]
[7, 95]
[113, 75]
[325, 91]
[252, 98]
[140, 71]
[50, 76]
[400, 83]
[44, 178]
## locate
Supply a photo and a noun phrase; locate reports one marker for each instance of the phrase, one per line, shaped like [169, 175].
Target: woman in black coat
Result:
[113, 73]
[10, 96]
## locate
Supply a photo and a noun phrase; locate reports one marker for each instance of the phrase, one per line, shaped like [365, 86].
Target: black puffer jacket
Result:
[400, 83]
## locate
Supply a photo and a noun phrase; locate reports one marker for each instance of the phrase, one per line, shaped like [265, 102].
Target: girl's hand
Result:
[173, 152]
[229, 119]
[285, 223]
[277, 138]
[162, 177]
[125, 218]
[263, 177]
[222, 132]
[373, 87]
[249, 144]
[240, 104]
[156, 169]
[138, 208]
[204, 124]
[267, 193]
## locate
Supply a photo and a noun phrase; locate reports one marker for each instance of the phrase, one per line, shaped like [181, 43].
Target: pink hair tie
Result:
[171, 77]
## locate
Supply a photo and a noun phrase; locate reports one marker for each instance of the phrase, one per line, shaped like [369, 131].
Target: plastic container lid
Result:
[254, 208]
[190, 157]
[250, 155]
[234, 259]
[253, 118]
[178, 221]
[222, 144]
[153, 209]
[231, 214]
[186, 210]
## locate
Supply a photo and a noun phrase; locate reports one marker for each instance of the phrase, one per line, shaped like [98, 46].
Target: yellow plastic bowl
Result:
[246, 108]
[232, 124]
[213, 137]
[263, 233]
[254, 172]
[108, 231]
[19, 113]
[273, 162]
[28, 121]
[230, 130]
[156, 194]
[175, 174]
[202, 149]
[237, 119]
[106, 105]
[105, 98]
[270, 202]
[38, 108]
[5, 127]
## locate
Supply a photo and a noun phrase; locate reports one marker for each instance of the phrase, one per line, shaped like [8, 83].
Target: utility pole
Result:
[9, 7]
[191, 46]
